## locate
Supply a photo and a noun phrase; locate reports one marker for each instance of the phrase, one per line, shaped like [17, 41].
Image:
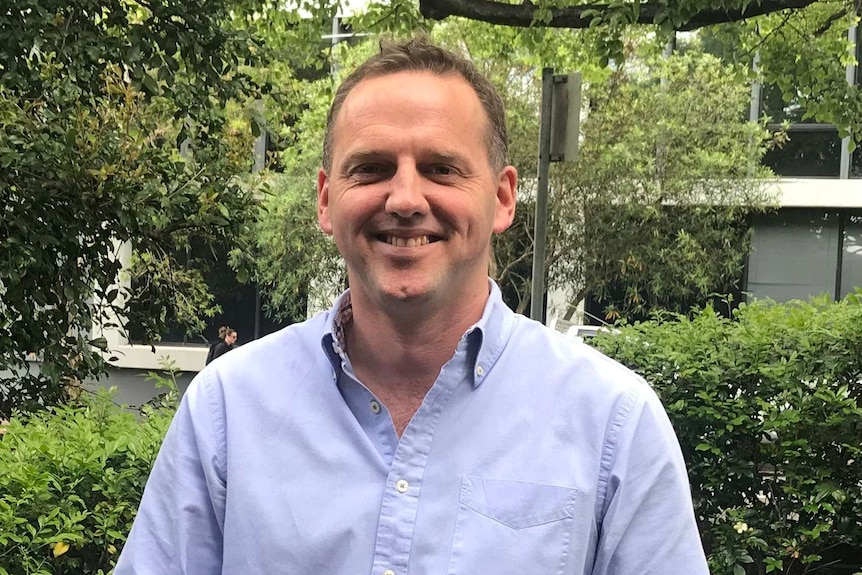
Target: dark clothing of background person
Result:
[219, 348]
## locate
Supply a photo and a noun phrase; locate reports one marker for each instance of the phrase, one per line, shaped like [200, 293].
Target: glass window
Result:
[859, 55]
[241, 306]
[856, 163]
[794, 255]
[851, 257]
[809, 153]
[772, 104]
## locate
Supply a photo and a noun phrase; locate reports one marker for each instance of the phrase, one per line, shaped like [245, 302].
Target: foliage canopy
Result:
[96, 99]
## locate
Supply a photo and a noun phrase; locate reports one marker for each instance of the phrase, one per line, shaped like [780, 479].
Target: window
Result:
[814, 150]
[799, 253]
[240, 303]
[851, 257]
[856, 163]
[793, 255]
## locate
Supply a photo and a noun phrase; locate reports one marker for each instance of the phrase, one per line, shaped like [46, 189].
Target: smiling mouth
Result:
[412, 242]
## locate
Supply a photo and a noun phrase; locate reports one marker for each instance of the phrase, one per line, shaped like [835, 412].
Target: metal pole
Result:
[336, 28]
[259, 165]
[257, 312]
[756, 89]
[844, 169]
[540, 231]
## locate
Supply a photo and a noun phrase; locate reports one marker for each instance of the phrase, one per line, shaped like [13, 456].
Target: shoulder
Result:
[573, 368]
[280, 356]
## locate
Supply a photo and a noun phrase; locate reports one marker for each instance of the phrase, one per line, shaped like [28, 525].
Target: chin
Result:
[399, 290]
[407, 294]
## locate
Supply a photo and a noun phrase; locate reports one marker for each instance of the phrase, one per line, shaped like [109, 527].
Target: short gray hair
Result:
[421, 55]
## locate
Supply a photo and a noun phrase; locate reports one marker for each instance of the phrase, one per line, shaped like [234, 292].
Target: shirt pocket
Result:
[512, 527]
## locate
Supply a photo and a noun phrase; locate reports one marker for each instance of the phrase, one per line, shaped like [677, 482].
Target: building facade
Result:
[813, 243]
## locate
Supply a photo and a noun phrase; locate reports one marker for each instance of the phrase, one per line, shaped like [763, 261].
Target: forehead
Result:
[411, 87]
[410, 101]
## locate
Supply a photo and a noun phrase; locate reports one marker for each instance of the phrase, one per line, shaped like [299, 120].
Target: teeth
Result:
[407, 242]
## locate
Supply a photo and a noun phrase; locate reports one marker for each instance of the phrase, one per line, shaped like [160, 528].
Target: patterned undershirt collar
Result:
[491, 323]
[343, 317]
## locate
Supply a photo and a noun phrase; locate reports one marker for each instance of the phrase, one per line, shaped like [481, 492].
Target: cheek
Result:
[353, 211]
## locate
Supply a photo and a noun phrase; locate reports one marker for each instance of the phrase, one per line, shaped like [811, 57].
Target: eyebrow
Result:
[360, 156]
[376, 155]
[444, 157]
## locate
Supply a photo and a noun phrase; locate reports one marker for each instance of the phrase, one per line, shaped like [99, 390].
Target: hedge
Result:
[767, 409]
[71, 480]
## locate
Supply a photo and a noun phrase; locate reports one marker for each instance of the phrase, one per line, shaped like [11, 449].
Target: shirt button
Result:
[375, 407]
[480, 371]
[402, 486]
[389, 572]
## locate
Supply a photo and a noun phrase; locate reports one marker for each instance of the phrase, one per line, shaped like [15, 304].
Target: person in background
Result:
[418, 427]
[225, 343]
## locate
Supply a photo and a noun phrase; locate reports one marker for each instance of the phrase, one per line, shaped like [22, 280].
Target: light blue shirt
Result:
[532, 454]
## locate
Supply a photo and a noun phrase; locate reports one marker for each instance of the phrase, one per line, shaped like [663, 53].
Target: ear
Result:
[323, 202]
[507, 193]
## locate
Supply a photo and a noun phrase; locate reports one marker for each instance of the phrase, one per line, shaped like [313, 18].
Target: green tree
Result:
[668, 175]
[653, 213]
[285, 252]
[802, 58]
[801, 44]
[96, 99]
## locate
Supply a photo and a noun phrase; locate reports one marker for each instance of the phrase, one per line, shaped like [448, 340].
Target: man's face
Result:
[411, 199]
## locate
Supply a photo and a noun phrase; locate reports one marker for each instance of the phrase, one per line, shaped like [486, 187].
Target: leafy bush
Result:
[767, 409]
[71, 481]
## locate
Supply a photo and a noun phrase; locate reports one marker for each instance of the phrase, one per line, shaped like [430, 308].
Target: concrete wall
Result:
[133, 388]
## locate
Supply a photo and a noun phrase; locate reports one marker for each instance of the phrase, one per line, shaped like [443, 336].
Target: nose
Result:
[406, 196]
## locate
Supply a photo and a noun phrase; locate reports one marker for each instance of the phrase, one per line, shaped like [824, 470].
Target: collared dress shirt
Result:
[532, 454]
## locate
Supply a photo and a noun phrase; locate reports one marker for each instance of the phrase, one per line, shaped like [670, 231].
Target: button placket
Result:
[398, 509]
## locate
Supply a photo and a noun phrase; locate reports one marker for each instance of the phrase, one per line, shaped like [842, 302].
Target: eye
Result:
[441, 170]
[370, 172]
[369, 169]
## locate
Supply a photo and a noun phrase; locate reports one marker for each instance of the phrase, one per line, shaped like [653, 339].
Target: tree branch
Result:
[829, 22]
[525, 15]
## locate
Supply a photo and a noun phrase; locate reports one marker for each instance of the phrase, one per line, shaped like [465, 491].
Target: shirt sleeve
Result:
[179, 526]
[647, 524]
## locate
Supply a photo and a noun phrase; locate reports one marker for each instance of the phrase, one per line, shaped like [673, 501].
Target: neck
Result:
[392, 348]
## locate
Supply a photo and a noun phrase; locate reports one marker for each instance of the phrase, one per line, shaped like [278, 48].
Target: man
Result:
[419, 426]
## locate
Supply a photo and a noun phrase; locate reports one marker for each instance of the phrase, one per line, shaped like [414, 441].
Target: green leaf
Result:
[150, 85]
[100, 343]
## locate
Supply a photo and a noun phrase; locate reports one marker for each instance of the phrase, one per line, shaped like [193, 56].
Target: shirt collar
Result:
[484, 340]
